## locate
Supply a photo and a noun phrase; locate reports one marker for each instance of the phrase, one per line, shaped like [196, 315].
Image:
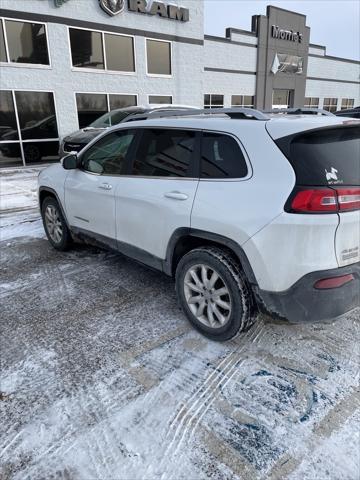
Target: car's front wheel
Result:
[214, 293]
[55, 225]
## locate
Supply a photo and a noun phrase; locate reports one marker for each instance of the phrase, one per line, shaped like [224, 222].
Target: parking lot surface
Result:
[103, 378]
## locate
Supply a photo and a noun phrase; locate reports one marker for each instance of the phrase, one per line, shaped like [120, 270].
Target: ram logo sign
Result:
[160, 9]
[112, 7]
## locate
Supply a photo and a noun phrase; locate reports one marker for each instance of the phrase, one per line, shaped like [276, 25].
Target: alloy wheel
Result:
[208, 296]
[53, 224]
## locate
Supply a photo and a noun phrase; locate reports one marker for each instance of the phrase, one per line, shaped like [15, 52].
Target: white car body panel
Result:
[347, 241]
[237, 209]
[54, 177]
[290, 247]
[88, 205]
[145, 217]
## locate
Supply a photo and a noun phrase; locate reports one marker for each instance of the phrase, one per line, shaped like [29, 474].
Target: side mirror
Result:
[70, 162]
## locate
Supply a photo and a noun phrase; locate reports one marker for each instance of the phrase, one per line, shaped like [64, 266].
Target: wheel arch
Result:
[45, 192]
[185, 239]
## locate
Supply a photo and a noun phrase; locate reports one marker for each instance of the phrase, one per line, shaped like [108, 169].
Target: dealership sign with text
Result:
[161, 9]
[282, 34]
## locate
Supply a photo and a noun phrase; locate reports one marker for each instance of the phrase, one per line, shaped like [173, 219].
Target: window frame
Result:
[129, 155]
[136, 95]
[20, 140]
[242, 103]
[329, 107]
[210, 105]
[347, 106]
[193, 170]
[159, 95]
[105, 70]
[157, 75]
[8, 63]
[243, 151]
[311, 102]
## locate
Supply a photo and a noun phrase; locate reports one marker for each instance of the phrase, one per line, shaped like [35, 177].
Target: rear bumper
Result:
[304, 303]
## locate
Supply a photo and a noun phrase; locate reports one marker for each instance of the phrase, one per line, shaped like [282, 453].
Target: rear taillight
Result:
[325, 200]
[312, 200]
[348, 198]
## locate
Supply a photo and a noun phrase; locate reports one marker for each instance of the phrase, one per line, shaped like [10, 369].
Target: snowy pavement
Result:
[103, 378]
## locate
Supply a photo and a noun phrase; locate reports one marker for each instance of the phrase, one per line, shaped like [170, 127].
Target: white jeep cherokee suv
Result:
[247, 211]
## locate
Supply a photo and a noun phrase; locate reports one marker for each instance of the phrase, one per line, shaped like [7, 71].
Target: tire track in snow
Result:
[183, 426]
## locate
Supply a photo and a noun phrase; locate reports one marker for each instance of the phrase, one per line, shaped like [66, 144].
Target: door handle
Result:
[176, 195]
[105, 186]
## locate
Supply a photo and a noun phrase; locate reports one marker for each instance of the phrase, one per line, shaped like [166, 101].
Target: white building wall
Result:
[229, 84]
[335, 69]
[329, 73]
[242, 37]
[226, 55]
[323, 89]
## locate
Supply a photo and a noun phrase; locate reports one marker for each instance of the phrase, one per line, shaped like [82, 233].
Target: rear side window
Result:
[165, 153]
[325, 157]
[221, 157]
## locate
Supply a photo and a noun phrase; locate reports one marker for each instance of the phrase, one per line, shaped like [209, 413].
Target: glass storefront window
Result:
[119, 53]
[36, 112]
[242, 101]
[160, 99]
[8, 126]
[27, 42]
[10, 155]
[86, 49]
[330, 104]
[281, 98]
[3, 56]
[347, 103]
[158, 57]
[122, 101]
[40, 152]
[311, 102]
[90, 106]
[213, 101]
[38, 138]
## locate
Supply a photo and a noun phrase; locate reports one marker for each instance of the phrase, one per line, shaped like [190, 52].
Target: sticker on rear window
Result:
[332, 176]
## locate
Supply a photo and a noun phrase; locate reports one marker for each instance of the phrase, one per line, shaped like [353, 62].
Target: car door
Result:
[158, 195]
[90, 189]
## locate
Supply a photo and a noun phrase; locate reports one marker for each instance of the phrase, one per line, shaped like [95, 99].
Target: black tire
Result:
[64, 243]
[240, 315]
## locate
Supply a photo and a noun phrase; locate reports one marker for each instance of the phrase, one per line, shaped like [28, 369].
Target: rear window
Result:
[221, 157]
[325, 157]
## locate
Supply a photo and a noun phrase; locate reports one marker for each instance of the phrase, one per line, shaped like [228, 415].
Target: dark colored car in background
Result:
[77, 140]
[350, 112]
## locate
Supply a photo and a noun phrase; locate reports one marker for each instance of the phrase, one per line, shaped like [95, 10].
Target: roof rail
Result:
[234, 113]
[302, 111]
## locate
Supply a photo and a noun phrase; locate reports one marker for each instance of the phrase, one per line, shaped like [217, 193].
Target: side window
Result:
[221, 157]
[165, 153]
[107, 156]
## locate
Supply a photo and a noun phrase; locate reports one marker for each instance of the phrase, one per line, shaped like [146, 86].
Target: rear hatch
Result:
[327, 166]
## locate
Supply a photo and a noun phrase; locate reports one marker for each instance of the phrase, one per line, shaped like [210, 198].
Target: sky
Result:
[333, 23]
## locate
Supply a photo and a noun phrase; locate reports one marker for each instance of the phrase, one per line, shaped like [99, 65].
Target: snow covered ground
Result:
[103, 378]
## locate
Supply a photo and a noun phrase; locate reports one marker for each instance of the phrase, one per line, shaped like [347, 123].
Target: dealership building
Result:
[66, 62]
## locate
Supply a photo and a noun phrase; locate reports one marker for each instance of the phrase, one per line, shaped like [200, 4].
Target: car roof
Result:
[150, 108]
[277, 126]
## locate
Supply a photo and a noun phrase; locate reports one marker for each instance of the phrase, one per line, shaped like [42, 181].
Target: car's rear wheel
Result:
[54, 224]
[214, 293]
